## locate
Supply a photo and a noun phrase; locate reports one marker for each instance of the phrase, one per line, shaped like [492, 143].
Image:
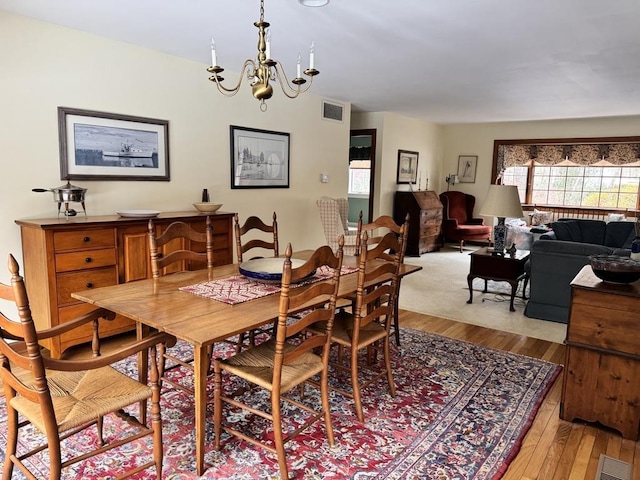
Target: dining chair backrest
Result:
[376, 231]
[252, 225]
[19, 346]
[179, 247]
[378, 278]
[293, 299]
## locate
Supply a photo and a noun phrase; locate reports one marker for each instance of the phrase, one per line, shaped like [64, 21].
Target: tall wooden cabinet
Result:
[602, 357]
[63, 256]
[425, 220]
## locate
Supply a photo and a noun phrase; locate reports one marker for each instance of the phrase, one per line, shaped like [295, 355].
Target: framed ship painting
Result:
[108, 146]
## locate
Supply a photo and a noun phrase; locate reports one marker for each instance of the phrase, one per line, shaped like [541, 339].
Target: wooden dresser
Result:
[602, 364]
[425, 220]
[64, 256]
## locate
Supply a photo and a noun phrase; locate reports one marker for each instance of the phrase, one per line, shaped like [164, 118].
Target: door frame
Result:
[372, 176]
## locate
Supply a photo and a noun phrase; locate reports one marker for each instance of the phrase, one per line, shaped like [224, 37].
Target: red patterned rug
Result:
[460, 412]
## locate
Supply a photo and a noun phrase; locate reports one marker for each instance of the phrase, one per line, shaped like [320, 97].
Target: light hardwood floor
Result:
[553, 449]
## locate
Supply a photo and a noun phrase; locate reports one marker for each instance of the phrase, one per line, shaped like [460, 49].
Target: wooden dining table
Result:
[160, 304]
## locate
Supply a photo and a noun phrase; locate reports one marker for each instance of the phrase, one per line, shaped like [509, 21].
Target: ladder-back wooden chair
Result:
[251, 226]
[179, 248]
[62, 398]
[370, 322]
[279, 365]
[255, 247]
[375, 231]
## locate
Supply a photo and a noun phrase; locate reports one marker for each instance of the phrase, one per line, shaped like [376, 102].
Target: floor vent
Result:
[613, 469]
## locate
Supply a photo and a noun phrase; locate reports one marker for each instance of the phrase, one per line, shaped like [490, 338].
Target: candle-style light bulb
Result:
[268, 49]
[311, 55]
[298, 65]
[214, 61]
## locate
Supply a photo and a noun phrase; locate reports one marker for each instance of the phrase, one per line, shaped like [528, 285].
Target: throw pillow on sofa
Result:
[540, 218]
[581, 230]
[592, 231]
[567, 230]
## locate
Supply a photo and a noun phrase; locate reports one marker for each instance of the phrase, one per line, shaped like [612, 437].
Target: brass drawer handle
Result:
[89, 285]
[88, 260]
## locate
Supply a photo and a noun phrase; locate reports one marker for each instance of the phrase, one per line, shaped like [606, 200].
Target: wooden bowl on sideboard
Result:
[207, 207]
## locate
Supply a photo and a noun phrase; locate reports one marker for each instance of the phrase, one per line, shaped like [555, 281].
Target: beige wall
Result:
[395, 132]
[46, 66]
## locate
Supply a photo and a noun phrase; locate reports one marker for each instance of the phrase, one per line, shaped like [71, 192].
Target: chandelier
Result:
[264, 69]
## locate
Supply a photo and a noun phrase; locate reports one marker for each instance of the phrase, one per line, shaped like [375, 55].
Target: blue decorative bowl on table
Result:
[267, 269]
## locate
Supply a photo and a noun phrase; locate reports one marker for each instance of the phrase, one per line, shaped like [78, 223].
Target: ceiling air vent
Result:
[613, 469]
[332, 111]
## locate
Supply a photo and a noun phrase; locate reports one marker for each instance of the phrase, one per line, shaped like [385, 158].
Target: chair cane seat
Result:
[342, 332]
[81, 397]
[256, 365]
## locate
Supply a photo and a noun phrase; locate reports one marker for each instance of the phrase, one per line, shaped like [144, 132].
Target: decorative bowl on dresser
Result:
[62, 256]
[207, 207]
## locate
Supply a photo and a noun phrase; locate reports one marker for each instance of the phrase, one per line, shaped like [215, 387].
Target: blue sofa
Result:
[558, 256]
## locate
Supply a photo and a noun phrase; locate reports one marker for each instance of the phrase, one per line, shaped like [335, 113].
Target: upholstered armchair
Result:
[334, 213]
[458, 223]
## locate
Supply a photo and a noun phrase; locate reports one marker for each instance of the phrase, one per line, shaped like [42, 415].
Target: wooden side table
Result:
[499, 268]
[602, 358]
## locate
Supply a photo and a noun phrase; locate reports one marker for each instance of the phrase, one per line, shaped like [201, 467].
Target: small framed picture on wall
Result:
[407, 167]
[467, 168]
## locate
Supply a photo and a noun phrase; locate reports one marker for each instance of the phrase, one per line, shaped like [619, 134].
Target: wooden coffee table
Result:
[499, 268]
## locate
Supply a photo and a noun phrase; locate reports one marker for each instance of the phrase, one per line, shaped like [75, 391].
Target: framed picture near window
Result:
[109, 146]
[407, 167]
[467, 168]
[259, 158]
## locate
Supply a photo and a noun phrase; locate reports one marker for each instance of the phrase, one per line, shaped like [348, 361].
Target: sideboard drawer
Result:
[613, 330]
[83, 280]
[64, 241]
[68, 262]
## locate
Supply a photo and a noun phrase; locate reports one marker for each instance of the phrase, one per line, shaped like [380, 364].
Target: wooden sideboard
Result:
[64, 256]
[425, 220]
[602, 359]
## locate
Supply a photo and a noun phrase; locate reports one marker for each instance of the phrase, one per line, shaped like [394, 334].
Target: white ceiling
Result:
[445, 61]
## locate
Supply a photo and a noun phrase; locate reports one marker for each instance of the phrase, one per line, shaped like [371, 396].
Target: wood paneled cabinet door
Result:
[134, 253]
[63, 256]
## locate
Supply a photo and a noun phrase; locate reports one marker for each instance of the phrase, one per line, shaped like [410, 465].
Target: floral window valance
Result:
[576, 154]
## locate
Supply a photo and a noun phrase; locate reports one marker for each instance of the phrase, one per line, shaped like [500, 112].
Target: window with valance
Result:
[596, 172]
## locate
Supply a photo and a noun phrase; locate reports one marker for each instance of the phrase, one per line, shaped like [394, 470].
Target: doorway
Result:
[362, 160]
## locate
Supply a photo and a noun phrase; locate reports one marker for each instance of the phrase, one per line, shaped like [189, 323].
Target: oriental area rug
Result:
[461, 411]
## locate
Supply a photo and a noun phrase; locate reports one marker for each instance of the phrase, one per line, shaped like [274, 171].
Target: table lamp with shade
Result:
[503, 201]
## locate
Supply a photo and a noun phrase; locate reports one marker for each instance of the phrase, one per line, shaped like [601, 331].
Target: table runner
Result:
[239, 289]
